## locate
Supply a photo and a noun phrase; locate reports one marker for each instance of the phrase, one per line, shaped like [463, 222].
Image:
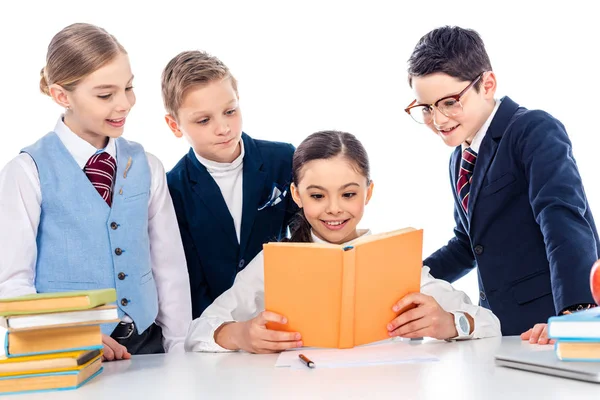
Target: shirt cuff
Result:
[201, 336]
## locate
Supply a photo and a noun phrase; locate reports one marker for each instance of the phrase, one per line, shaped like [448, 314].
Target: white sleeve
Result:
[242, 302]
[450, 299]
[20, 209]
[169, 266]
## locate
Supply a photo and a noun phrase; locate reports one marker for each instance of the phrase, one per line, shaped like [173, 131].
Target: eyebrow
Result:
[111, 86]
[341, 188]
[196, 113]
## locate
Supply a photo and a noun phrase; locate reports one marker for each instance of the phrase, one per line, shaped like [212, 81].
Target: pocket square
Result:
[276, 197]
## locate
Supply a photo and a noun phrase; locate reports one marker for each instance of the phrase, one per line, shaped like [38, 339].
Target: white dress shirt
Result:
[20, 208]
[478, 138]
[246, 299]
[229, 179]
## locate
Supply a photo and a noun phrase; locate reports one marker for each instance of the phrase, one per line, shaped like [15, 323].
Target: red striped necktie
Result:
[100, 170]
[465, 175]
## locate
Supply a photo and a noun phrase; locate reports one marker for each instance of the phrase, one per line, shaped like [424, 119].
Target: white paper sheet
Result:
[373, 354]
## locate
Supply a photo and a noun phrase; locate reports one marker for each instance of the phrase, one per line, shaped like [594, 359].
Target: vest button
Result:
[482, 296]
[124, 301]
[241, 264]
[118, 251]
[114, 226]
[121, 276]
[478, 249]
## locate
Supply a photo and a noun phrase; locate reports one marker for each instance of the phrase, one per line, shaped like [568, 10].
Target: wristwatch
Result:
[463, 327]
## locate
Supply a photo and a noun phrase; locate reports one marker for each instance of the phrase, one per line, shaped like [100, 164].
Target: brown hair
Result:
[322, 146]
[187, 70]
[74, 53]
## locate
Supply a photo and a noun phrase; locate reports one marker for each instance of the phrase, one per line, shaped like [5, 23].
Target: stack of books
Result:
[577, 335]
[53, 341]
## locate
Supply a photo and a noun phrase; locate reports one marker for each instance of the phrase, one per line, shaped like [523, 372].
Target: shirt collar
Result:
[476, 143]
[214, 166]
[79, 148]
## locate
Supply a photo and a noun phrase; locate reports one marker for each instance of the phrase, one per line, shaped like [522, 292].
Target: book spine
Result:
[348, 295]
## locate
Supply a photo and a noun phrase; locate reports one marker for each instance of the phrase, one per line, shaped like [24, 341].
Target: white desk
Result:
[466, 370]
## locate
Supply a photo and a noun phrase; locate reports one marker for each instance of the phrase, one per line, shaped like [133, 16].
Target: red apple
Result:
[595, 281]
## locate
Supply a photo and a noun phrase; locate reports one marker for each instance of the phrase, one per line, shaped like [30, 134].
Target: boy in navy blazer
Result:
[522, 217]
[230, 191]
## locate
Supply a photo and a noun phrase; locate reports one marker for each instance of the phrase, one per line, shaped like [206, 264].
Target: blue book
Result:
[581, 325]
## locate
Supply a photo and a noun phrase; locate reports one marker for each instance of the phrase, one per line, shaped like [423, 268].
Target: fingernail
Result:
[298, 336]
[390, 327]
[299, 344]
[395, 308]
[284, 321]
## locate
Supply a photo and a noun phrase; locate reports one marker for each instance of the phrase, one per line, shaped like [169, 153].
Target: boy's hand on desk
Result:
[428, 318]
[253, 336]
[113, 350]
[538, 334]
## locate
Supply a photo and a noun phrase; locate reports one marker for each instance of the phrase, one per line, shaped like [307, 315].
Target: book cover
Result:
[94, 316]
[56, 302]
[577, 350]
[342, 296]
[584, 325]
[43, 363]
[51, 381]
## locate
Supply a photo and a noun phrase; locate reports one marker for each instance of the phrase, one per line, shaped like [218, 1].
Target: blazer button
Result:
[478, 249]
[124, 301]
[482, 296]
[118, 251]
[114, 226]
[241, 264]
[121, 276]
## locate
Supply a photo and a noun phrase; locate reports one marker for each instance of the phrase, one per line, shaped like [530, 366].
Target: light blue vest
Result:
[83, 243]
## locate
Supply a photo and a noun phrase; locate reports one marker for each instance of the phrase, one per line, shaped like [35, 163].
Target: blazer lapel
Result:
[488, 148]
[253, 188]
[205, 187]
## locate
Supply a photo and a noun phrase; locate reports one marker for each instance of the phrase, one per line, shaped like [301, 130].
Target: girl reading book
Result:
[331, 185]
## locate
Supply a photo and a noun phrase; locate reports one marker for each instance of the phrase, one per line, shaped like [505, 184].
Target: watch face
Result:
[464, 324]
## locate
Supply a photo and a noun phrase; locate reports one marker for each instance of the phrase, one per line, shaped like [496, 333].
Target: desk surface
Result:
[465, 370]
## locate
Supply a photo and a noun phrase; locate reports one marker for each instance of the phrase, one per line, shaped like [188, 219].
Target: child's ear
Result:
[59, 95]
[489, 85]
[173, 125]
[296, 195]
[369, 192]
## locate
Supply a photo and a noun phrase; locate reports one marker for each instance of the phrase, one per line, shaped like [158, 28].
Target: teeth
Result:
[334, 223]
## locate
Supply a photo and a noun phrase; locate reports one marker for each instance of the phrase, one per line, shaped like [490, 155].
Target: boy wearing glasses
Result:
[522, 217]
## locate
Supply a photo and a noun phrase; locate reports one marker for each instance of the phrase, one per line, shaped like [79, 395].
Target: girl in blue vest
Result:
[88, 209]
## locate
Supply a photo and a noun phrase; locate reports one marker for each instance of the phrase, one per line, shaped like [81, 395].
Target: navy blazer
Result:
[213, 253]
[529, 228]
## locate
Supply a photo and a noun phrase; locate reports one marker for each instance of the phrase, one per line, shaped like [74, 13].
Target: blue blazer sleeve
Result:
[455, 259]
[560, 208]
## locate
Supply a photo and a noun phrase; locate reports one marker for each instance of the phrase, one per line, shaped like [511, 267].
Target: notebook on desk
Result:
[546, 362]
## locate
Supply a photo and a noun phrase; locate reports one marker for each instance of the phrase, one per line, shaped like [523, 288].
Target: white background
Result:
[315, 65]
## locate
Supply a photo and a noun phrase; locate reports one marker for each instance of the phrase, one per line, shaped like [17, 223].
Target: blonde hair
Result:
[74, 53]
[187, 70]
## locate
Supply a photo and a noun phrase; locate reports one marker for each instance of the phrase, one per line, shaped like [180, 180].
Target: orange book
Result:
[342, 296]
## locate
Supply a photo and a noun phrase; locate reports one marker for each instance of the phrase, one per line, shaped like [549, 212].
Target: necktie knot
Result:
[465, 175]
[100, 170]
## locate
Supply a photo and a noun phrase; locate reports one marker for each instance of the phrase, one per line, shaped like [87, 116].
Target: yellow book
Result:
[56, 302]
[51, 381]
[577, 350]
[342, 296]
[45, 363]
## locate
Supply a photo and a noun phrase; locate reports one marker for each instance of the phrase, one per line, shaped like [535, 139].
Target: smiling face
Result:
[476, 105]
[333, 195]
[211, 120]
[97, 107]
